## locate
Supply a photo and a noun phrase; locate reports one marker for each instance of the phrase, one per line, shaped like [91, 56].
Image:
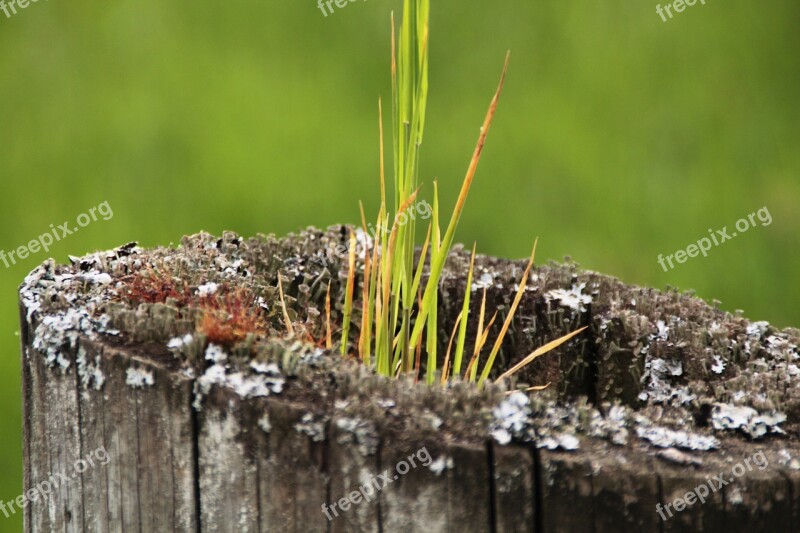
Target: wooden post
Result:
[120, 435]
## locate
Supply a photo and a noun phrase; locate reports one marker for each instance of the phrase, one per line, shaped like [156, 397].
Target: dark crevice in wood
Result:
[27, 405]
[593, 498]
[724, 497]
[81, 450]
[139, 458]
[793, 502]
[379, 499]
[538, 480]
[326, 466]
[790, 492]
[492, 489]
[660, 497]
[102, 353]
[593, 372]
[259, 516]
[173, 461]
[196, 461]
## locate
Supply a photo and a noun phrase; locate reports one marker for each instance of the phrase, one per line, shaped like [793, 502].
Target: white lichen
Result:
[746, 419]
[510, 417]
[100, 278]
[139, 378]
[572, 298]
[311, 426]
[555, 441]
[264, 423]
[176, 343]
[89, 373]
[265, 368]
[786, 459]
[484, 281]
[663, 437]
[215, 354]
[441, 463]
[363, 433]
[244, 385]
[59, 332]
[757, 329]
[719, 365]
[207, 289]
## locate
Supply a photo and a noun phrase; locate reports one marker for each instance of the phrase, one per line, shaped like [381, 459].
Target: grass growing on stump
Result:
[398, 312]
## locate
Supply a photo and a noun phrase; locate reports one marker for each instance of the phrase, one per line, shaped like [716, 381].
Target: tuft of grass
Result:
[399, 312]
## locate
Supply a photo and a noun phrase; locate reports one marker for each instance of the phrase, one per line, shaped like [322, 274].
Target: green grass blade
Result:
[462, 332]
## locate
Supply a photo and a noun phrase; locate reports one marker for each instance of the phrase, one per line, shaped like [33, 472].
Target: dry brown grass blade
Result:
[446, 367]
[348, 297]
[364, 334]
[418, 354]
[390, 248]
[530, 389]
[328, 339]
[480, 321]
[405, 205]
[380, 136]
[421, 264]
[552, 345]
[476, 156]
[537, 388]
[480, 342]
[286, 319]
[487, 368]
[477, 349]
[438, 261]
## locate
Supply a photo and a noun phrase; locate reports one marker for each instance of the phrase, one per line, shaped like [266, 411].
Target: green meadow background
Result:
[619, 137]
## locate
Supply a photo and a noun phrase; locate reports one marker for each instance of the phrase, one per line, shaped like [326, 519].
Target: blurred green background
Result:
[619, 136]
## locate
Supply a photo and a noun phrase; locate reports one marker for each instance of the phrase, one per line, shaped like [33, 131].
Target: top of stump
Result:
[657, 367]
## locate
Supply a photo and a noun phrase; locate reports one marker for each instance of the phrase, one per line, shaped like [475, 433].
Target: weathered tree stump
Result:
[145, 411]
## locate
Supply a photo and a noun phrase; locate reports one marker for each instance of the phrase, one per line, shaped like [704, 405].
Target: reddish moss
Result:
[149, 285]
[228, 317]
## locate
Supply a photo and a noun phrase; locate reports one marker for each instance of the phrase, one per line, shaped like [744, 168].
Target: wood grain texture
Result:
[249, 465]
[123, 457]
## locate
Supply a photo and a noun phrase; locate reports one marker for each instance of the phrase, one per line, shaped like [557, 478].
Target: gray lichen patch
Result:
[312, 426]
[89, 372]
[663, 437]
[747, 420]
[139, 378]
[662, 369]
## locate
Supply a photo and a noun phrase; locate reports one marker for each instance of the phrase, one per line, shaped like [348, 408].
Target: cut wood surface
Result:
[642, 412]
